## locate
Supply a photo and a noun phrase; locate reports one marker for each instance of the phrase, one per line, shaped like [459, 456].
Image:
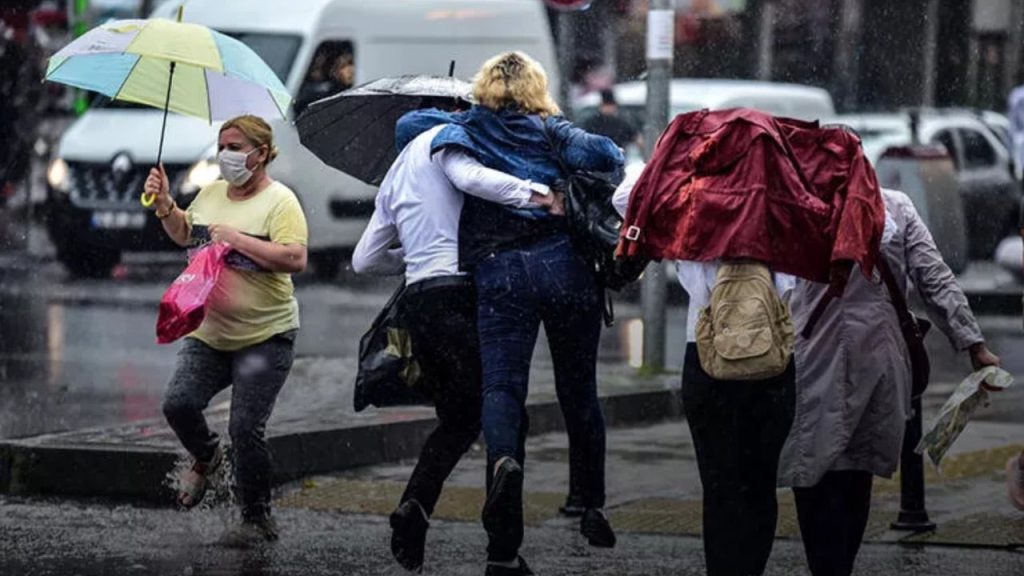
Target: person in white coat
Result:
[854, 385]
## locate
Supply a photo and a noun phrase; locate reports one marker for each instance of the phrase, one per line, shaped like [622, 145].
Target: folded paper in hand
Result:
[957, 411]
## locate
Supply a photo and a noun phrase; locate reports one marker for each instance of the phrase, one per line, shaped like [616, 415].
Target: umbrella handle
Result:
[147, 199]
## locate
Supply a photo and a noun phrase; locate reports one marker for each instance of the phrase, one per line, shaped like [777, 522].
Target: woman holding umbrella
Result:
[247, 337]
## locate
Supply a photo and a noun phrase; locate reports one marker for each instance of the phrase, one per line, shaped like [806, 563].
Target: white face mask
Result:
[233, 166]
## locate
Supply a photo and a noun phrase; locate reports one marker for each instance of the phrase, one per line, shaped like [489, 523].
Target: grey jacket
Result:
[853, 373]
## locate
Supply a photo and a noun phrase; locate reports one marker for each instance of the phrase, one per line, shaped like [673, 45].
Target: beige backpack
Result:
[745, 332]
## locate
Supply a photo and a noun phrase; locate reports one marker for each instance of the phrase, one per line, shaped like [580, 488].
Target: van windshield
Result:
[277, 50]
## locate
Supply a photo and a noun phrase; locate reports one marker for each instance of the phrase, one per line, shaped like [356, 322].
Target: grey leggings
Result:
[256, 375]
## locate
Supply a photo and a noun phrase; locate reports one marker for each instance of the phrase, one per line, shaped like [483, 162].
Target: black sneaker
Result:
[573, 507]
[250, 532]
[521, 570]
[595, 527]
[408, 535]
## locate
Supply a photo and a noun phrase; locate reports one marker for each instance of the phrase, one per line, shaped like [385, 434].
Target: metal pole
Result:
[566, 60]
[660, 44]
[931, 43]
[847, 63]
[765, 40]
[913, 516]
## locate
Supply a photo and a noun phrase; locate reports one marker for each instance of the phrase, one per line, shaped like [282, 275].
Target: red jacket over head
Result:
[741, 184]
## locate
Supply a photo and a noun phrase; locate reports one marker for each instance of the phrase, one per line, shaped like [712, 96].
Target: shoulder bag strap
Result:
[899, 299]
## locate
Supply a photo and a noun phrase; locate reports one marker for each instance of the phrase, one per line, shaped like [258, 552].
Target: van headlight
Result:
[202, 173]
[58, 175]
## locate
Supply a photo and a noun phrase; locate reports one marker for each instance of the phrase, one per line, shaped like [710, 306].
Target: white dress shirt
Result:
[697, 278]
[419, 204]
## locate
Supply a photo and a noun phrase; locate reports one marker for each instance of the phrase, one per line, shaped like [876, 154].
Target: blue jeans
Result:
[517, 290]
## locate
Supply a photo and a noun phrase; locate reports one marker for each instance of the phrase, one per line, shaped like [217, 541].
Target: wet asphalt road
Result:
[63, 538]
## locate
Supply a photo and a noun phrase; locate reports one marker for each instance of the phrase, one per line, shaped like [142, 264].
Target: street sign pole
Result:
[566, 47]
[79, 26]
[566, 60]
[660, 28]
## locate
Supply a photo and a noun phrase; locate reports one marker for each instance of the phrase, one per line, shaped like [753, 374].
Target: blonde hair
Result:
[255, 130]
[514, 80]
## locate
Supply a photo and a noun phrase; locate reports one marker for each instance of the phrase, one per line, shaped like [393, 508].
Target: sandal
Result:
[195, 481]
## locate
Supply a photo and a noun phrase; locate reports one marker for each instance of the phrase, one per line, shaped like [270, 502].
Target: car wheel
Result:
[326, 265]
[89, 261]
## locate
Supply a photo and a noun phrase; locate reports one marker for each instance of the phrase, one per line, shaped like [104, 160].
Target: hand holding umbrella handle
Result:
[156, 188]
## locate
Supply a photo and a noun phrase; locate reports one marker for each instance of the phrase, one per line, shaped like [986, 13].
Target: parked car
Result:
[689, 94]
[101, 161]
[988, 189]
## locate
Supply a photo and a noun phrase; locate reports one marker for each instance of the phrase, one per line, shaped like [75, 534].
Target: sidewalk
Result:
[313, 430]
[654, 488]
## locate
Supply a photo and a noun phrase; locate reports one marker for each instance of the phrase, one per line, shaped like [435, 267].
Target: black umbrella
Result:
[354, 131]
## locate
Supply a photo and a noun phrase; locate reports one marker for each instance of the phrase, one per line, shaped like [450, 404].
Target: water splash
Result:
[219, 494]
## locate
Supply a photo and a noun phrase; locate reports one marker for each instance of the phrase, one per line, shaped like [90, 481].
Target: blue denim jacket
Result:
[514, 143]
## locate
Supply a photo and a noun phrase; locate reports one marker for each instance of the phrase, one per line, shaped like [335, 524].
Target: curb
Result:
[47, 467]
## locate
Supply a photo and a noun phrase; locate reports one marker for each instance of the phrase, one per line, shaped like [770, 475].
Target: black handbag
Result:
[388, 373]
[914, 330]
[594, 226]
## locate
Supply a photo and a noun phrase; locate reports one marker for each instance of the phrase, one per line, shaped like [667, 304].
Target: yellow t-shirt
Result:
[245, 307]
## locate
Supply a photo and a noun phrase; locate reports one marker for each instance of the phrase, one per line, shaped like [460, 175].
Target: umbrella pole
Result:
[148, 199]
[167, 105]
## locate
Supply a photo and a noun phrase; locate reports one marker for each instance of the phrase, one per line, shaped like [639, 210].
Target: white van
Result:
[103, 158]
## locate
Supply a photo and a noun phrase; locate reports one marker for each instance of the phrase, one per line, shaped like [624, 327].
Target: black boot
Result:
[408, 535]
[594, 525]
[503, 510]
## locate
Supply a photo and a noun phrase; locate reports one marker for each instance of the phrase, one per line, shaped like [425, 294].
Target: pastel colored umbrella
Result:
[170, 65]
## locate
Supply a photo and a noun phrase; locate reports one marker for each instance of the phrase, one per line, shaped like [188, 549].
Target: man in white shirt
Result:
[418, 206]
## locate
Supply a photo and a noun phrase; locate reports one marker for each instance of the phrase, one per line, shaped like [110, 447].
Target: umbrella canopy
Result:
[354, 131]
[215, 77]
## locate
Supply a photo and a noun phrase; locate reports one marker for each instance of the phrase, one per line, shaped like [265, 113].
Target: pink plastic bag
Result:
[183, 305]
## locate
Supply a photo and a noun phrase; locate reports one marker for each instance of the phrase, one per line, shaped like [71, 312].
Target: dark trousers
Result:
[738, 430]
[518, 290]
[441, 319]
[833, 515]
[256, 375]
